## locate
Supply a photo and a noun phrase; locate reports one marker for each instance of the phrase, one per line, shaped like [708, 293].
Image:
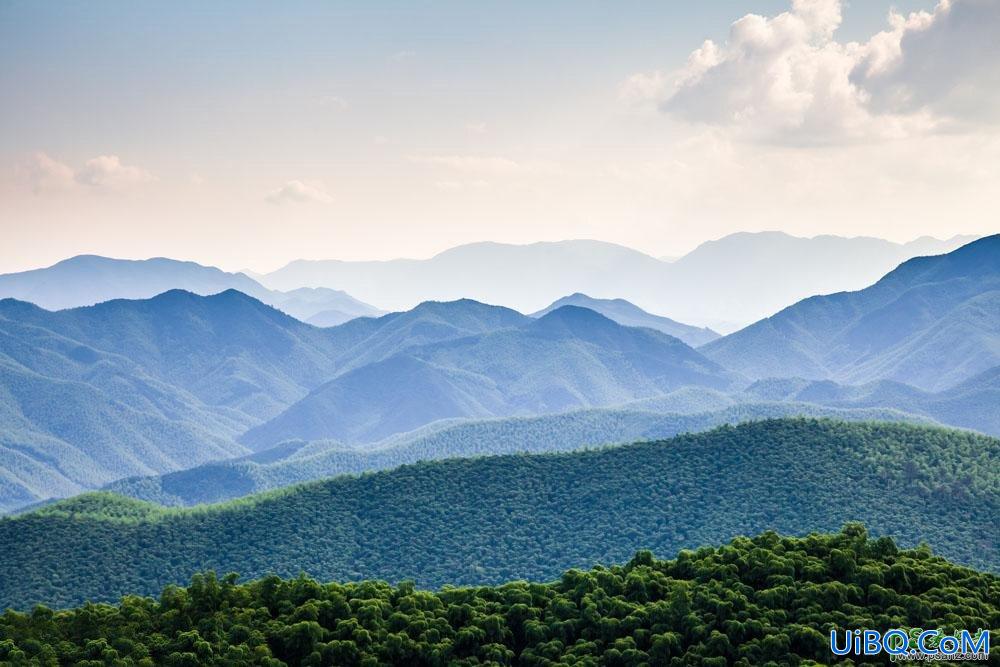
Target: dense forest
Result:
[494, 519]
[769, 599]
[294, 462]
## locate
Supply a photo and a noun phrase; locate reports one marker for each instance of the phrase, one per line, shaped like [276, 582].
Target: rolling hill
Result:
[294, 462]
[932, 322]
[73, 417]
[630, 315]
[487, 520]
[570, 358]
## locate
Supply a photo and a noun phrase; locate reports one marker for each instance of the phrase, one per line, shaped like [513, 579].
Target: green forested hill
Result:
[493, 519]
[769, 599]
[295, 462]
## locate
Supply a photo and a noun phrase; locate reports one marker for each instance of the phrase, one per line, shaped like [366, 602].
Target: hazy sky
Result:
[248, 134]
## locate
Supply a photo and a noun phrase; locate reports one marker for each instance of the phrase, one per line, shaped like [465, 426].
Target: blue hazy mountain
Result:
[229, 350]
[74, 417]
[138, 387]
[730, 282]
[294, 462]
[630, 315]
[570, 358]
[86, 280]
[973, 403]
[932, 322]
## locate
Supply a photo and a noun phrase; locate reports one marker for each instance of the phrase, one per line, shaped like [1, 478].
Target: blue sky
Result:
[249, 134]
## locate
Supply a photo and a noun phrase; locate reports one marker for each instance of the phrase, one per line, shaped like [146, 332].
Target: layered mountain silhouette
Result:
[145, 387]
[722, 284]
[973, 403]
[932, 322]
[630, 315]
[86, 280]
[570, 358]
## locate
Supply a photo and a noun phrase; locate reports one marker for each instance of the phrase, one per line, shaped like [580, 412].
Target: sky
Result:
[245, 135]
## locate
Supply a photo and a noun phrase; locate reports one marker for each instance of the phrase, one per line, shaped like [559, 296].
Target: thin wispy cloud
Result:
[104, 172]
[298, 192]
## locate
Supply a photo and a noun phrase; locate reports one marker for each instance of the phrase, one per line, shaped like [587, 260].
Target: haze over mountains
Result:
[570, 358]
[86, 280]
[722, 284]
[932, 322]
[141, 388]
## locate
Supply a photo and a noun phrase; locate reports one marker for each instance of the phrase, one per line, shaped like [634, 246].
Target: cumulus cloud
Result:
[297, 192]
[107, 171]
[104, 172]
[786, 78]
[947, 62]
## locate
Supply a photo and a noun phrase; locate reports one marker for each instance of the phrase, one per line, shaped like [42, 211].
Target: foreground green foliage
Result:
[766, 599]
[489, 520]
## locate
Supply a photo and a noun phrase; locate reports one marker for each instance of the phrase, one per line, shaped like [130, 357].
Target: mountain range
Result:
[722, 284]
[931, 322]
[570, 358]
[87, 280]
[180, 380]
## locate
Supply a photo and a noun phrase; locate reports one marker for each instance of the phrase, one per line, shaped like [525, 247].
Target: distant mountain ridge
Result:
[726, 283]
[87, 280]
[629, 315]
[932, 322]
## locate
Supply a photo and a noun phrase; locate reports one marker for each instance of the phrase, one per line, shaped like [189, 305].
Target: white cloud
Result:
[643, 87]
[297, 192]
[946, 62]
[44, 174]
[786, 79]
[104, 172]
[107, 171]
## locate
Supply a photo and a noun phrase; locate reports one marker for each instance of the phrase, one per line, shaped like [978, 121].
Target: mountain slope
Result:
[73, 417]
[295, 462]
[167, 383]
[229, 349]
[571, 358]
[630, 315]
[474, 521]
[931, 322]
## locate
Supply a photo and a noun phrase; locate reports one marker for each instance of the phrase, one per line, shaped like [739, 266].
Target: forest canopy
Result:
[756, 600]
